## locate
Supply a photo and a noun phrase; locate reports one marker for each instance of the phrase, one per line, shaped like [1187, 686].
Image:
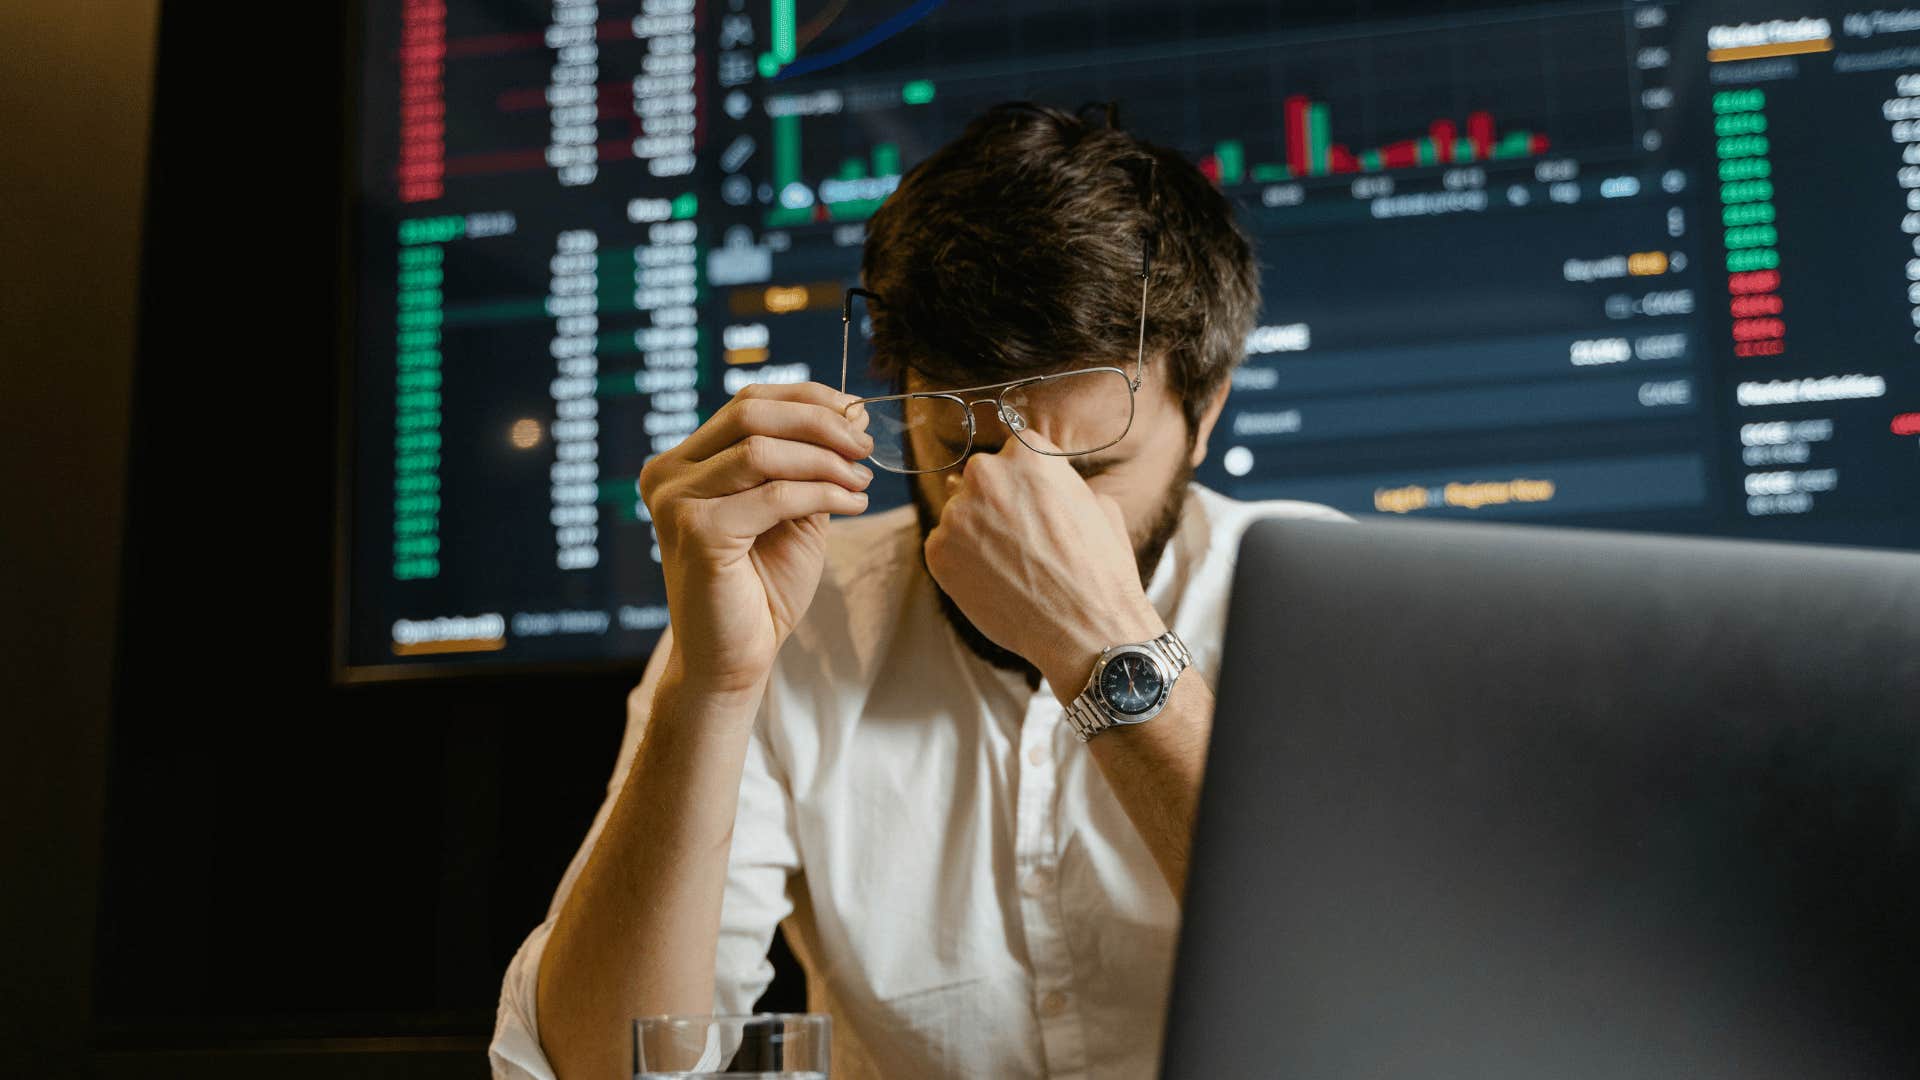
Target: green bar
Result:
[1515, 144]
[1318, 139]
[1734, 101]
[1463, 149]
[429, 378]
[886, 159]
[782, 216]
[436, 230]
[1428, 155]
[1267, 174]
[786, 151]
[853, 209]
[616, 384]
[622, 489]
[1370, 161]
[917, 92]
[783, 47]
[853, 169]
[496, 311]
[769, 67]
[416, 568]
[1232, 157]
[616, 343]
[685, 205]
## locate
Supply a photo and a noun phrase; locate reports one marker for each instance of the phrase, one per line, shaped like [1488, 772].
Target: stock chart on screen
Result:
[1629, 264]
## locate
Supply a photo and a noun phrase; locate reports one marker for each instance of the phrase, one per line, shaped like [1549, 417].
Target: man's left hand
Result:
[1040, 563]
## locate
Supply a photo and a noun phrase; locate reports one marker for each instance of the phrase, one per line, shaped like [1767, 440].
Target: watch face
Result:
[1130, 684]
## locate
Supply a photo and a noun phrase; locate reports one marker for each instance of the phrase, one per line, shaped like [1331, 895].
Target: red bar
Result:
[1210, 168]
[1746, 307]
[1753, 281]
[1537, 144]
[1443, 133]
[1480, 131]
[495, 44]
[1341, 160]
[1769, 347]
[1907, 424]
[1297, 135]
[1400, 155]
[535, 97]
[1758, 329]
[503, 161]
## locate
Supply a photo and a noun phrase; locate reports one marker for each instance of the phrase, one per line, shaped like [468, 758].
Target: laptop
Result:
[1488, 801]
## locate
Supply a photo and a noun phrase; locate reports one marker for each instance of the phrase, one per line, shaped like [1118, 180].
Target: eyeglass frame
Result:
[1008, 414]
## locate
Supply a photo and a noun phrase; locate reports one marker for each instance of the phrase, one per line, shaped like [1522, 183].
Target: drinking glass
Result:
[768, 1046]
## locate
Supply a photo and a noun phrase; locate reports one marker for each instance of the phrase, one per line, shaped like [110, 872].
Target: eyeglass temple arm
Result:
[846, 322]
[1147, 241]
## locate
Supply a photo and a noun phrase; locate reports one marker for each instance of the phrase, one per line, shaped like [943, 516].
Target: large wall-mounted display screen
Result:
[1629, 264]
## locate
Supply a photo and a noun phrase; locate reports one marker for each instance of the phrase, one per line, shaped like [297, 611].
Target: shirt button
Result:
[1035, 884]
[1037, 756]
[1053, 1004]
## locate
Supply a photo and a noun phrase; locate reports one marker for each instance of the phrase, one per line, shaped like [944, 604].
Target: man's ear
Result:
[1203, 427]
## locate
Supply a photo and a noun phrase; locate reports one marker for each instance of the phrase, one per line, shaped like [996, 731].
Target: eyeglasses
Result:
[1074, 413]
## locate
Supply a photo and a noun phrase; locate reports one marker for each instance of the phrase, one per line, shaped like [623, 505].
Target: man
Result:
[870, 733]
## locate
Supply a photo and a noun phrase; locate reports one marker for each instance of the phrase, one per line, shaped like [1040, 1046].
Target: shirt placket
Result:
[1036, 856]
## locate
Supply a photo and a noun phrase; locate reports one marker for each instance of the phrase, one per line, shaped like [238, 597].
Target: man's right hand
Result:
[740, 508]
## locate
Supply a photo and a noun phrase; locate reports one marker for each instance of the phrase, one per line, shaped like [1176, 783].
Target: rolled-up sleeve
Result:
[760, 864]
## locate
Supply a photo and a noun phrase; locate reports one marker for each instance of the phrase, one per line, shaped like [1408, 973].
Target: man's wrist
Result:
[1068, 667]
[683, 694]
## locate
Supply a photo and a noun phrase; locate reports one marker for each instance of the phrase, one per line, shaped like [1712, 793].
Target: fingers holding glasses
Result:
[758, 459]
[771, 434]
[798, 412]
[752, 512]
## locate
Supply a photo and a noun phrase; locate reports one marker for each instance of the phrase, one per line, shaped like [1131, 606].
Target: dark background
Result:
[74, 92]
[289, 877]
[298, 878]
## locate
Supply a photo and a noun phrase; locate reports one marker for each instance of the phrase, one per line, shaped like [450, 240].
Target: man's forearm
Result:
[1155, 770]
[638, 933]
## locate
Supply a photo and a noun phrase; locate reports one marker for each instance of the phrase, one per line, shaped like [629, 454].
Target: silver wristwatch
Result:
[1130, 685]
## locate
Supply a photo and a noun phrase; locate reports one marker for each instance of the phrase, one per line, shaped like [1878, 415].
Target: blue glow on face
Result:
[1130, 684]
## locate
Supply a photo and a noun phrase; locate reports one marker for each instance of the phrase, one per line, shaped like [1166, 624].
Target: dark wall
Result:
[293, 878]
[291, 867]
[74, 89]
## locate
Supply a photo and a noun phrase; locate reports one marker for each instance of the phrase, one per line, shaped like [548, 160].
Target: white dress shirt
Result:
[963, 889]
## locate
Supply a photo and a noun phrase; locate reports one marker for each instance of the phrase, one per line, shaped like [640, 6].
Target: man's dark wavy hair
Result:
[1016, 250]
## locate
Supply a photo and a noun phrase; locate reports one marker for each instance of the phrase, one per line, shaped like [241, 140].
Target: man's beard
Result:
[1146, 556]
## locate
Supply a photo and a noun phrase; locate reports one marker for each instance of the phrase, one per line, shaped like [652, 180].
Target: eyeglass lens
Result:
[1067, 415]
